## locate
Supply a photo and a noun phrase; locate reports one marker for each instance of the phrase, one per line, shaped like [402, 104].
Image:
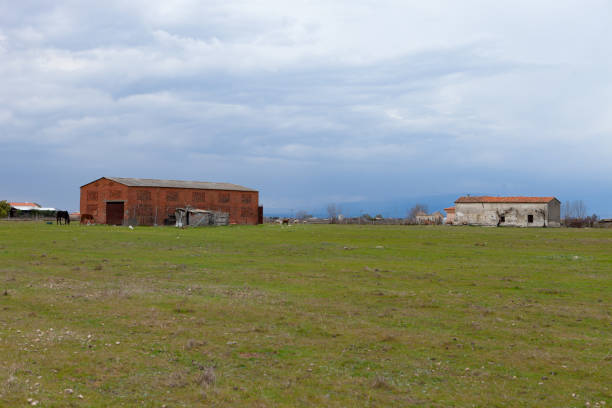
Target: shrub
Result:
[5, 208]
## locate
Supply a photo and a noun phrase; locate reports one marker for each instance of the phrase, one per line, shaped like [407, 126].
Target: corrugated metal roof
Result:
[490, 199]
[202, 185]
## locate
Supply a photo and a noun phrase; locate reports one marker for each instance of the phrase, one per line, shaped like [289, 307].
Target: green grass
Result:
[320, 315]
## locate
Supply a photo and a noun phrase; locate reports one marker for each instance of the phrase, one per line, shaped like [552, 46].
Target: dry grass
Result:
[207, 377]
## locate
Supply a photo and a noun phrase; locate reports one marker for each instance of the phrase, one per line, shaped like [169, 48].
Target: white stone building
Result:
[429, 219]
[508, 211]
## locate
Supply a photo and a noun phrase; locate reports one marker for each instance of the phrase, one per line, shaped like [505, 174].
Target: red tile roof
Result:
[490, 199]
[24, 205]
[450, 209]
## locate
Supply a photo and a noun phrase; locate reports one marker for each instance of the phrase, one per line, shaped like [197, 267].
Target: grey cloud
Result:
[314, 99]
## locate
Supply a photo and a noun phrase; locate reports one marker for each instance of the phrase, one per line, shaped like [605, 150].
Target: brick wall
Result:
[95, 195]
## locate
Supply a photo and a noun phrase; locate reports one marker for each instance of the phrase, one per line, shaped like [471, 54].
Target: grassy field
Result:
[321, 315]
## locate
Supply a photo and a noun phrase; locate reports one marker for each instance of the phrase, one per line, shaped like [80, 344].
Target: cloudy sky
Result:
[311, 101]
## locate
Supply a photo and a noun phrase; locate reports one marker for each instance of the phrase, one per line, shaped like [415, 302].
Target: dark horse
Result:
[62, 215]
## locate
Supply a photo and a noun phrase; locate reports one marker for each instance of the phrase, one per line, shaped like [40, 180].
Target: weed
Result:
[381, 382]
[207, 377]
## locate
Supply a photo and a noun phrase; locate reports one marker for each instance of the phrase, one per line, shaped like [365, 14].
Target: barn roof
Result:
[490, 199]
[202, 185]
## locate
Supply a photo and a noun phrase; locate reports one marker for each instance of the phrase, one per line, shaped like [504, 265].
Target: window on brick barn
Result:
[144, 195]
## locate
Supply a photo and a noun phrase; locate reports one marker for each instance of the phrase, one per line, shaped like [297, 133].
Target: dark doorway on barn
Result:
[114, 213]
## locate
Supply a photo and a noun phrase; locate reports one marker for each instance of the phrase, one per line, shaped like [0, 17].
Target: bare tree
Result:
[414, 211]
[574, 214]
[302, 215]
[574, 209]
[332, 213]
[580, 209]
[566, 209]
[592, 220]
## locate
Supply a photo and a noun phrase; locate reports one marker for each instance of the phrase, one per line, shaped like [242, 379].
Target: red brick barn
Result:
[119, 201]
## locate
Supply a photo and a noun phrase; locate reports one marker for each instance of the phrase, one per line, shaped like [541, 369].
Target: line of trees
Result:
[334, 212]
[574, 214]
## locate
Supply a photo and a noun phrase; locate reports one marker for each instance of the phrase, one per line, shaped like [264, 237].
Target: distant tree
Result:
[565, 210]
[302, 215]
[366, 218]
[592, 220]
[574, 214]
[414, 211]
[332, 213]
[580, 209]
[574, 209]
[5, 208]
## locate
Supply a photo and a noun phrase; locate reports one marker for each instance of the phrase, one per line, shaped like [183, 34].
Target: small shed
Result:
[428, 219]
[605, 223]
[31, 211]
[193, 217]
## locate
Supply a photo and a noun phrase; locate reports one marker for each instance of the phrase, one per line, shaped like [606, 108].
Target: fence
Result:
[31, 215]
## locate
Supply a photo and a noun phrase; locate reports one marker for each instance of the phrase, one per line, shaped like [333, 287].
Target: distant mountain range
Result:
[392, 208]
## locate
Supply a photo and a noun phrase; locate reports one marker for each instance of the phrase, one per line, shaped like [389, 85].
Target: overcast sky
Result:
[310, 102]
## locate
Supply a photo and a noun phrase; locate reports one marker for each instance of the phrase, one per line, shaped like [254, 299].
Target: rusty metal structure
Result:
[134, 201]
[191, 217]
